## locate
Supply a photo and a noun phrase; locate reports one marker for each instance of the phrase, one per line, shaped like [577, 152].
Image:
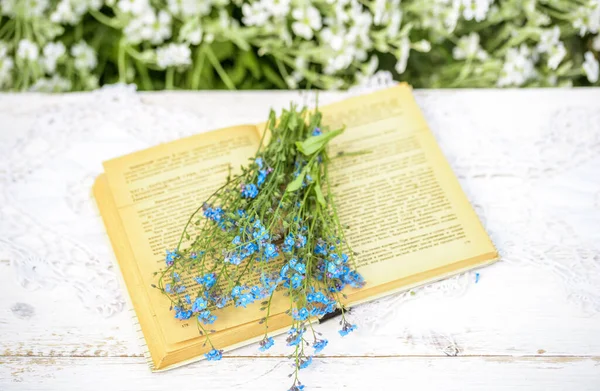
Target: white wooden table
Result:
[528, 160]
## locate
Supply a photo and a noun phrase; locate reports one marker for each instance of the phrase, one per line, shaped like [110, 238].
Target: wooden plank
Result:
[384, 373]
[532, 316]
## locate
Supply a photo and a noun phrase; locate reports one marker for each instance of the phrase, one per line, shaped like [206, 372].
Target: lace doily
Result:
[531, 170]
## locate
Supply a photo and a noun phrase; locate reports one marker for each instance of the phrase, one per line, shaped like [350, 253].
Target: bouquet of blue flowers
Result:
[275, 223]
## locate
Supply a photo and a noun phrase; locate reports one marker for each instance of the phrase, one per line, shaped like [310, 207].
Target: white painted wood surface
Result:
[525, 325]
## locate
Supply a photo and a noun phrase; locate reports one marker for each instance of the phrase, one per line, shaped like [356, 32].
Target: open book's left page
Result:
[155, 191]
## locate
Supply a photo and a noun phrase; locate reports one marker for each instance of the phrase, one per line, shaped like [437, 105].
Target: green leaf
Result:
[293, 121]
[237, 74]
[274, 77]
[320, 197]
[251, 63]
[314, 143]
[296, 183]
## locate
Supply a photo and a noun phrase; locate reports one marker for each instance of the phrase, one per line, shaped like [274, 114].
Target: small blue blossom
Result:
[259, 162]
[199, 305]
[194, 256]
[244, 299]
[237, 240]
[346, 329]
[300, 241]
[214, 355]
[296, 280]
[297, 387]
[321, 248]
[305, 363]
[181, 313]
[209, 280]
[300, 267]
[214, 214]
[270, 252]
[257, 293]
[236, 291]
[317, 132]
[168, 288]
[250, 249]
[266, 344]
[288, 243]
[250, 191]
[234, 259]
[176, 277]
[206, 317]
[188, 299]
[320, 345]
[180, 289]
[262, 175]
[301, 314]
[294, 336]
[170, 257]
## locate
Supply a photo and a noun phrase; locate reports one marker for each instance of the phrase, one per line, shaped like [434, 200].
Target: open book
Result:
[407, 217]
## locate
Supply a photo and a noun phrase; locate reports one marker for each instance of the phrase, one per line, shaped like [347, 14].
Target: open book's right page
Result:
[408, 219]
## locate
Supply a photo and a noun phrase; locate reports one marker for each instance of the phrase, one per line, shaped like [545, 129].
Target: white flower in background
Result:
[557, 53]
[85, 56]
[548, 39]
[149, 26]
[518, 68]
[402, 55]
[51, 53]
[475, 9]
[307, 20]
[6, 66]
[27, 50]
[393, 27]
[596, 43]
[7, 7]
[71, 11]
[189, 8]
[423, 46]
[34, 8]
[588, 20]
[383, 11]
[591, 67]
[135, 7]
[300, 65]
[173, 55]
[191, 32]
[160, 27]
[54, 84]
[335, 39]
[64, 13]
[277, 8]
[468, 47]
[255, 14]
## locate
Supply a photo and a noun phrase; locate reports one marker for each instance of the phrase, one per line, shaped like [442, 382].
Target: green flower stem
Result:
[217, 65]
[146, 81]
[100, 17]
[169, 76]
[197, 71]
[121, 61]
[7, 28]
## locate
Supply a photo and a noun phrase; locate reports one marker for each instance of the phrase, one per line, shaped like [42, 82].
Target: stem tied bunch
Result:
[270, 233]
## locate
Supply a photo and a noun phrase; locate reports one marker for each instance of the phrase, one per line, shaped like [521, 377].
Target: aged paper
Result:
[403, 205]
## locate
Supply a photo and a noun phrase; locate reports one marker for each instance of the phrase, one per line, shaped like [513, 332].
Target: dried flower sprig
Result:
[275, 223]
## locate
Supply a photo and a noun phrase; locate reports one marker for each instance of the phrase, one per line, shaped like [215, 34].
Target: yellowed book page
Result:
[406, 212]
[155, 192]
[144, 319]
